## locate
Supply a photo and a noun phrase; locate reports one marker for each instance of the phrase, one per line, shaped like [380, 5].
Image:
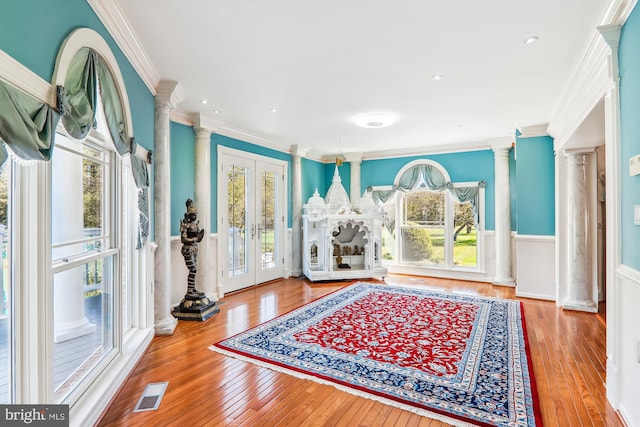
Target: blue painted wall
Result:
[630, 137]
[462, 167]
[182, 173]
[535, 186]
[313, 176]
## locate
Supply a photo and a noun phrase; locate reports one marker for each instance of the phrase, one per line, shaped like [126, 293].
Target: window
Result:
[84, 258]
[431, 221]
[6, 286]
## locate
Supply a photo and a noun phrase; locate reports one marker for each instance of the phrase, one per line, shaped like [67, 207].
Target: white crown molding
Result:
[410, 152]
[188, 119]
[202, 121]
[20, 77]
[353, 157]
[181, 117]
[170, 92]
[501, 143]
[113, 19]
[533, 131]
[618, 12]
[592, 79]
[297, 150]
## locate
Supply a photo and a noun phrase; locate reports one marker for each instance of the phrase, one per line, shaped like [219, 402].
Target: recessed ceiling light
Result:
[217, 111]
[375, 120]
[530, 40]
[203, 101]
[437, 77]
[274, 109]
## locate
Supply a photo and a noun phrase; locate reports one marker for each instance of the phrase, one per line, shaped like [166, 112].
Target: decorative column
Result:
[168, 96]
[205, 279]
[296, 205]
[355, 159]
[580, 292]
[502, 214]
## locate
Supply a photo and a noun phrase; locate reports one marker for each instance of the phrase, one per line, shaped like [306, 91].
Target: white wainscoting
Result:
[536, 267]
[623, 364]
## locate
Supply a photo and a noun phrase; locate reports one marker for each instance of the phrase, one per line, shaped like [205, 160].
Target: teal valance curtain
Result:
[468, 194]
[77, 99]
[26, 124]
[87, 74]
[422, 176]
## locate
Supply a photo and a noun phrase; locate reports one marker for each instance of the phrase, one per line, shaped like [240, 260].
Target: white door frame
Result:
[224, 153]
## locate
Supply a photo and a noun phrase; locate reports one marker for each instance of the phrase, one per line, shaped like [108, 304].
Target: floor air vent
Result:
[151, 397]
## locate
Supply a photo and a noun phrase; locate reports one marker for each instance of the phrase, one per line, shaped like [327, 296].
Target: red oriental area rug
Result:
[458, 358]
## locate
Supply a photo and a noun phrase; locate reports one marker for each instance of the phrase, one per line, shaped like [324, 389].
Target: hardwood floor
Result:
[209, 389]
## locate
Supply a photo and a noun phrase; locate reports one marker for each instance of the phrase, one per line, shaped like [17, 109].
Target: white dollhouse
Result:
[340, 242]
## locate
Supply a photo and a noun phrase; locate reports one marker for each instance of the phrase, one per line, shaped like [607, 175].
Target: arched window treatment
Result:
[422, 175]
[77, 99]
[429, 176]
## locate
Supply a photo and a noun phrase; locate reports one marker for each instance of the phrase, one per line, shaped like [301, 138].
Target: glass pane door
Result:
[250, 193]
[269, 263]
[238, 195]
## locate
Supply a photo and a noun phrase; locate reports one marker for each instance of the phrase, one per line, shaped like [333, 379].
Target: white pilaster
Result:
[579, 284]
[296, 205]
[205, 278]
[169, 95]
[355, 159]
[503, 274]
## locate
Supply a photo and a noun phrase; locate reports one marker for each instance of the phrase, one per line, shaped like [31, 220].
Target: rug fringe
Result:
[419, 411]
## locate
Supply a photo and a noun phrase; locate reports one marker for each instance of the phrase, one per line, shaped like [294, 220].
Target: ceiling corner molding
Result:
[113, 19]
[586, 88]
[181, 117]
[426, 150]
[501, 142]
[251, 138]
[533, 131]
[203, 121]
[618, 12]
[20, 77]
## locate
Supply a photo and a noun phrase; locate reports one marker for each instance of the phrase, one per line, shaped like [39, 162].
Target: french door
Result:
[251, 212]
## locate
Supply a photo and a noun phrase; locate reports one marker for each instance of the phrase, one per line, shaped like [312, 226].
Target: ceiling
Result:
[320, 64]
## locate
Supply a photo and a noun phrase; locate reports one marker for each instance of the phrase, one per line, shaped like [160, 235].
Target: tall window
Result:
[84, 255]
[431, 221]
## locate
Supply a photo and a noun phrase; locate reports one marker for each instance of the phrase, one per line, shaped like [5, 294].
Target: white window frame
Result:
[32, 263]
[448, 269]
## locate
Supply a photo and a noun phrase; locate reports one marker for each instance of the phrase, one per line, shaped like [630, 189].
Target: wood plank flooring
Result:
[209, 389]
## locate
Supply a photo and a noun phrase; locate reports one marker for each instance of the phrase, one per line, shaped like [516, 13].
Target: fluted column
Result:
[580, 292]
[503, 274]
[296, 205]
[355, 160]
[166, 99]
[205, 279]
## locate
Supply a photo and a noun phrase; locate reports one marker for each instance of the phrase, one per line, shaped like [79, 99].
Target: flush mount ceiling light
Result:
[530, 40]
[375, 120]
